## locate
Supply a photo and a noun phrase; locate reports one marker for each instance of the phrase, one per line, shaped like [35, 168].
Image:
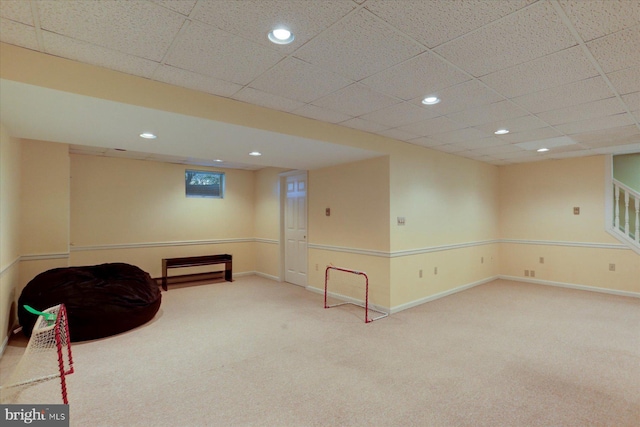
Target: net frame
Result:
[366, 307]
[49, 339]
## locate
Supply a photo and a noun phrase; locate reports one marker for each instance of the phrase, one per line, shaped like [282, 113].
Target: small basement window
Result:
[204, 184]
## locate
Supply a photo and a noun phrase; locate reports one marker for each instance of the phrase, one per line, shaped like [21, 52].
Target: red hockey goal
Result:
[340, 279]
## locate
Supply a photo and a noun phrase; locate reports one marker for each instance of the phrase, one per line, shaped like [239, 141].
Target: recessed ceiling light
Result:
[148, 135]
[542, 150]
[217, 160]
[430, 100]
[501, 131]
[281, 36]
[255, 153]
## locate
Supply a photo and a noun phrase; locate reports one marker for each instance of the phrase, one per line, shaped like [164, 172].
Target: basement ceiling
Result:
[558, 74]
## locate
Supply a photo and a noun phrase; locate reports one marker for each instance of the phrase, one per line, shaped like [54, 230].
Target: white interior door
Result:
[295, 263]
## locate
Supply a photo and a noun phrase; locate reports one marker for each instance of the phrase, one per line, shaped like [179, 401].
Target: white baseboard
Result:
[347, 299]
[421, 301]
[267, 276]
[571, 286]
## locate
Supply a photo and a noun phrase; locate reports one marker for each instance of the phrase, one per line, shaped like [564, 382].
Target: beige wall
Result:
[10, 154]
[536, 213]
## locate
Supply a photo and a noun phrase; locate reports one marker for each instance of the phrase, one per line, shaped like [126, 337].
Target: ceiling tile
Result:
[517, 124]
[519, 155]
[253, 96]
[559, 68]
[501, 110]
[410, 79]
[447, 19]
[19, 11]
[365, 125]
[633, 147]
[589, 110]
[567, 95]
[450, 148]
[609, 137]
[355, 100]
[570, 154]
[296, 79]
[209, 51]
[617, 51]
[486, 142]
[359, 46]
[398, 134]
[536, 31]
[498, 149]
[184, 78]
[18, 34]
[432, 126]
[626, 81]
[322, 114]
[426, 142]
[632, 100]
[138, 28]
[461, 135]
[530, 135]
[606, 122]
[77, 50]
[400, 114]
[597, 18]
[462, 96]
[183, 7]
[254, 19]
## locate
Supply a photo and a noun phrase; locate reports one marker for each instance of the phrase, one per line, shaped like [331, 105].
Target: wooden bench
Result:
[195, 261]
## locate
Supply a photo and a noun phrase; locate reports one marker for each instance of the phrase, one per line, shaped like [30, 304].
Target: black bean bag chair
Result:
[101, 300]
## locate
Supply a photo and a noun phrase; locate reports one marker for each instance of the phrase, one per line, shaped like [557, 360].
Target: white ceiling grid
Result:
[541, 68]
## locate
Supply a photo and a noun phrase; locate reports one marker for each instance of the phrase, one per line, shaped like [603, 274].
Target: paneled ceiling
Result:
[558, 74]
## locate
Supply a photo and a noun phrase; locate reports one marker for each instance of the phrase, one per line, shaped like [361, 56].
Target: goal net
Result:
[46, 357]
[352, 286]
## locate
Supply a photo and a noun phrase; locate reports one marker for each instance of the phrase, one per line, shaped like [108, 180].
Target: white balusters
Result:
[626, 212]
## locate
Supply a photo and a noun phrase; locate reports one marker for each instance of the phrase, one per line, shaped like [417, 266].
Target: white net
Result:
[47, 357]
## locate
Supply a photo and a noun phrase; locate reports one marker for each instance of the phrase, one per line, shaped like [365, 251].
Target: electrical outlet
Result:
[612, 267]
[327, 211]
[401, 220]
[420, 274]
[435, 270]
[533, 273]
[541, 260]
[576, 210]
[526, 273]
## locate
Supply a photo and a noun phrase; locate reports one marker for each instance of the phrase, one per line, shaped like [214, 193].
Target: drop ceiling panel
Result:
[501, 110]
[461, 135]
[556, 69]
[447, 19]
[254, 19]
[299, 80]
[359, 46]
[142, 29]
[518, 124]
[365, 125]
[355, 100]
[188, 79]
[322, 114]
[183, 7]
[78, 50]
[606, 122]
[432, 126]
[400, 114]
[268, 100]
[19, 34]
[576, 93]
[530, 135]
[209, 51]
[461, 97]
[626, 81]
[596, 18]
[398, 134]
[617, 51]
[609, 137]
[537, 31]
[408, 79]
[589, 110]
[18, 11]
[632, 100]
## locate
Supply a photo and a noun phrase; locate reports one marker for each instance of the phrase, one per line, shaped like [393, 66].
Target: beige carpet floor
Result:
[260, 353]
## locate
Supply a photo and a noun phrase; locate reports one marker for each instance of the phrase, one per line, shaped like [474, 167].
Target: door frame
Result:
[283, 200]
